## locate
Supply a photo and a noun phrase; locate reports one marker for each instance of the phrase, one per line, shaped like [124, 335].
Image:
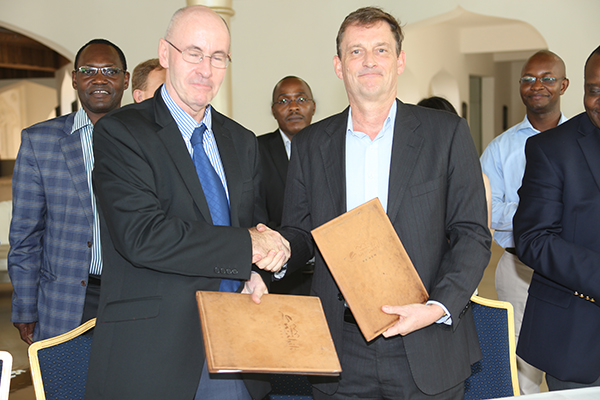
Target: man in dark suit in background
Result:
[423, 167]
[178, 186]
[556, 234]
[55, 257]
[293, 107]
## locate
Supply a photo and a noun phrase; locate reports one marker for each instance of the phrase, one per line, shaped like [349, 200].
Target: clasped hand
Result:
[270, 250]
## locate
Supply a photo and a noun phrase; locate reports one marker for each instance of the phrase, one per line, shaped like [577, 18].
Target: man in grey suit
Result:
[55, 260]
[423, 167]
[178, 187]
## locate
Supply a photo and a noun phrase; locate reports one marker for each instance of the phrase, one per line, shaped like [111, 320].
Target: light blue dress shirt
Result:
[503, 161]
[368, 163]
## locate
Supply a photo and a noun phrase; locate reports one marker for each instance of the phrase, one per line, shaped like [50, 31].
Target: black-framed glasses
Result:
[301, 101]
[109, 72]
[195, 56]
[544, 80]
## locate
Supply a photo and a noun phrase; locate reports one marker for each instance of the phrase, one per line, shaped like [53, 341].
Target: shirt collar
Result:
[81, 120]
[526, 124]
[184, 121]
[389, 121]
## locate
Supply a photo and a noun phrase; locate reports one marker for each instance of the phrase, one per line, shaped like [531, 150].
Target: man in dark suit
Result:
[293, 107]
[423, 167]
[55, 257]
[556, 234]
[178, 186]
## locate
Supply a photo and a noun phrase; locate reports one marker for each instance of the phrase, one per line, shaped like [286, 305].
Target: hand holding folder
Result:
[370, 266]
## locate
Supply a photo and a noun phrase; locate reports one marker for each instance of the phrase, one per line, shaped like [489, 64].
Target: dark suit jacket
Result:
[437, 206]
[556, 234]
[160, 247]
[275, 165]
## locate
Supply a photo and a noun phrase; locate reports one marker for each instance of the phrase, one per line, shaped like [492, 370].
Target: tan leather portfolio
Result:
[369, 265]
[283, 334]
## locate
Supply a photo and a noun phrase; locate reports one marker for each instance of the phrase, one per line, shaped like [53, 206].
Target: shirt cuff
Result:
[446, 318]
[281, 273]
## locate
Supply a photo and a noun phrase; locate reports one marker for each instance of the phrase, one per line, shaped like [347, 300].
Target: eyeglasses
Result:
[195, 56]
[301, 101]
[109, 72]
[544, 80]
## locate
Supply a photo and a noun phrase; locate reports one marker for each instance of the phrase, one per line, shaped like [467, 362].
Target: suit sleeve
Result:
[150, 227]
[538, 228]
[27, 229]
[469, 239]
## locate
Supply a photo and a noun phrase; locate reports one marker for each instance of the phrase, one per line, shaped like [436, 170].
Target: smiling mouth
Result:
[99, 91]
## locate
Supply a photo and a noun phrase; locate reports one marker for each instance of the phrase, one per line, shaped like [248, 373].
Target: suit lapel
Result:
[333, 156]
[590, 146]
[406, 148]
[231, 165]
[173, 142]
[277, 150]
[70, 145]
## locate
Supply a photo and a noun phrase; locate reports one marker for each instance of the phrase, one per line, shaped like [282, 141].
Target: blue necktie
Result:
[214, 193]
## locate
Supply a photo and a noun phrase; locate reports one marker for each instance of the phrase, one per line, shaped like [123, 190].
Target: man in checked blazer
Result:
[55, 255]
[423, 167]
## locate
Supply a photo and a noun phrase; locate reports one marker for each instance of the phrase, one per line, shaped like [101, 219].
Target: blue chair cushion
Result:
[64, 368]
[490, 377]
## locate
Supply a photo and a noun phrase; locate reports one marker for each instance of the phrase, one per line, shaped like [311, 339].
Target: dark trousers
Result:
[92, 299]
[378, 370]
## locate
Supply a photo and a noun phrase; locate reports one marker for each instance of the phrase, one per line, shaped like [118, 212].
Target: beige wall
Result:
[274, 38]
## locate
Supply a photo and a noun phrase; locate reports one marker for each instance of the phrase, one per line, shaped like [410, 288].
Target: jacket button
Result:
[89, 244]
[216, 270]
[83, 283]
[223, 270]
[234, 271]
[228, 271]
[340, 297]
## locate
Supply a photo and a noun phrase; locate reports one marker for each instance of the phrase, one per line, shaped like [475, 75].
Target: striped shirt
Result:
[85, 127]
[187, 124]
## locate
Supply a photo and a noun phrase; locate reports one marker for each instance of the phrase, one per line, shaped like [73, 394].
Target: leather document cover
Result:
[283, 334]
[369, 265]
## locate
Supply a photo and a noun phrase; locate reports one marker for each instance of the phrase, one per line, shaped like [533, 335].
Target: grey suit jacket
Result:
[436, 204]
[160, 247]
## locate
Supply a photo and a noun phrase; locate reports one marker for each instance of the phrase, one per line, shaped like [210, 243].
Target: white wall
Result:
[274, 38]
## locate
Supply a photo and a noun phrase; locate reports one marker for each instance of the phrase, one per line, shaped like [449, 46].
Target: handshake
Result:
[270, 250]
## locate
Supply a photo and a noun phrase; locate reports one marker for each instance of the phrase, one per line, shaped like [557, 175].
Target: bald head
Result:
[186, 12]
[550, 57]
[543, 81]
[196, 38]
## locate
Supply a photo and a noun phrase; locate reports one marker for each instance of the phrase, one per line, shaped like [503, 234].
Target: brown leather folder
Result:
[283, 334]
[369, 265]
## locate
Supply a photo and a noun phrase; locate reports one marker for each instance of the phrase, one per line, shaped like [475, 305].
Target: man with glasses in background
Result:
[543, 81]
[293, 107]
[178, 188]
[55, 257]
